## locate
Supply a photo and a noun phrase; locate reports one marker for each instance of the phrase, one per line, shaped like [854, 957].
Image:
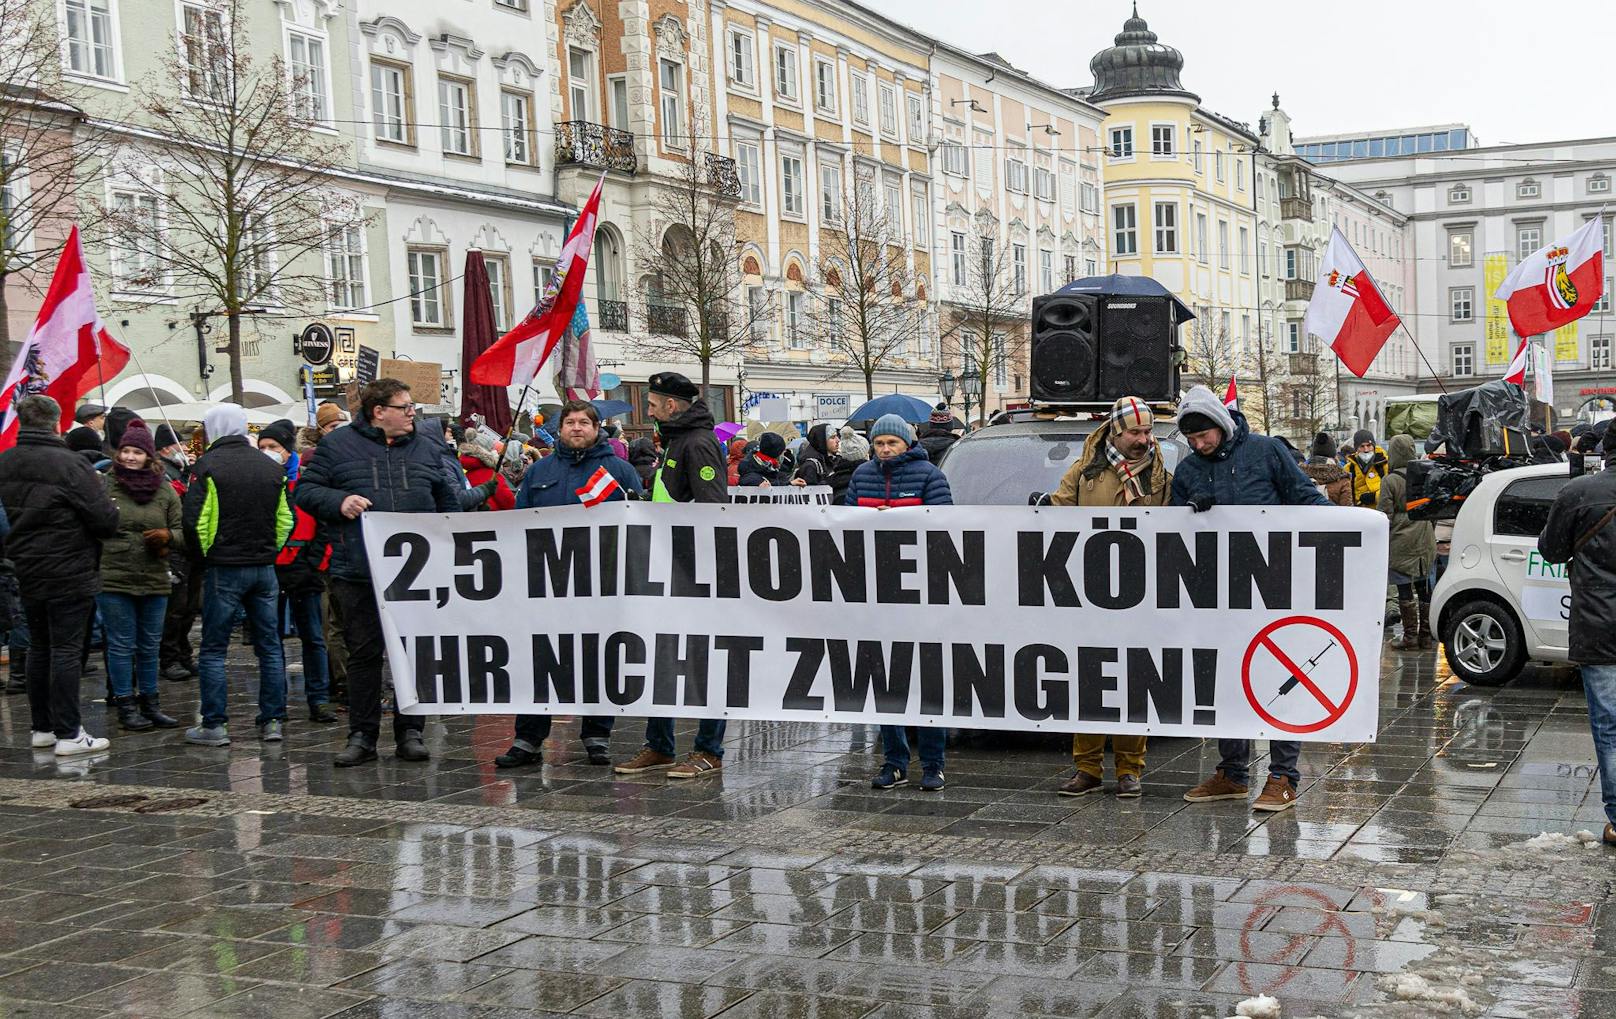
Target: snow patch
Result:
[1263, 1006]
[1413, 987]
[1553, 841]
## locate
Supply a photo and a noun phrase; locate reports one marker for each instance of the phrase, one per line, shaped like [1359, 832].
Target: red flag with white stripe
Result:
[518, 355]
[1347, 309]
[1231, 396]
[68, 352]
[1556, 284]
[600, 487]
[1517, 365]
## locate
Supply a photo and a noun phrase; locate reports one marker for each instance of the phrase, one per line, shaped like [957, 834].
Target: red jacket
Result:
[306, 553]
[478, 472]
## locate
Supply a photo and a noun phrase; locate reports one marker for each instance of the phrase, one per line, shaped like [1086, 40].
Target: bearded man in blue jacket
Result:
[583, 471]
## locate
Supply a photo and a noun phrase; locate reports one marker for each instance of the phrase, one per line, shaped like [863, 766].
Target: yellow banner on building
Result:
[1494, 269]
[1565, 342]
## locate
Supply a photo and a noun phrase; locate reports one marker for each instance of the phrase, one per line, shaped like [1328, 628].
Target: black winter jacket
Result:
[754, 472]
[694, 468]
[1579, 506]
[235, 509]
[936, 441]
[59, 511]
[405, 475]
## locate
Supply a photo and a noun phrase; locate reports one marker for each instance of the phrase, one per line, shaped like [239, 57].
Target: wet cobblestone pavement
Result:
[257, 881]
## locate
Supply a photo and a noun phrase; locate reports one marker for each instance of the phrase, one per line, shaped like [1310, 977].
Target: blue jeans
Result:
[224, 589]
[134, 626]
[1282, 757]
[1599, 684]
[709, 736]
[304, 607]
[895, 741]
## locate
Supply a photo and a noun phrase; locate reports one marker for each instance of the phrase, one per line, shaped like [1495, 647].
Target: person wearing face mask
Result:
[134, 577]
[278, 441]
[1367, 467]
[300, 573]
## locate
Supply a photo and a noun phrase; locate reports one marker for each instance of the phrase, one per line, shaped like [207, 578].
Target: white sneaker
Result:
[83, 743]
[44, 740]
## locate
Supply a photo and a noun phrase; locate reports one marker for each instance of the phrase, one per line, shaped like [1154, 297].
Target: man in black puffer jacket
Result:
[376, 463]
[59, 511]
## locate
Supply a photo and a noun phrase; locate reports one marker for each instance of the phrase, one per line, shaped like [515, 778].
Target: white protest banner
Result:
[782, 495]
[1235, 622]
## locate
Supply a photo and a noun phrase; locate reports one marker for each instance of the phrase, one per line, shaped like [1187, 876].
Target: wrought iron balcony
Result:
[1295, 208]
[722, 177]
[665, 319]
[1298, 290]
[581, 143]
[614, 316]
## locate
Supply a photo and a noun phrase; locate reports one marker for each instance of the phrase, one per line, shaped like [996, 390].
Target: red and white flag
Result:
[1517, 365]
[68, 352]
[1231, 396]
[1347, 310]
[1556, 284]
[598, 489]
[518, 355]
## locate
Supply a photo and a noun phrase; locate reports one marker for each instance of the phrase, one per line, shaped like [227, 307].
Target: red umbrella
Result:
[492, 402]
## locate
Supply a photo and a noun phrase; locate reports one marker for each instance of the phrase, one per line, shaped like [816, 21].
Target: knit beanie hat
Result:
[1200, 410]
[282, 432]
[83, 438]
[1362, 436]
[771, 445]
[165, 436]
[940, 415]
[136, 434]
[892, 424]
[327, 413]
[853, 447]
[1323, 445]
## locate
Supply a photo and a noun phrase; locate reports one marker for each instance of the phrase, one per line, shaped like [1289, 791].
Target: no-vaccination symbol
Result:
[1300, 674]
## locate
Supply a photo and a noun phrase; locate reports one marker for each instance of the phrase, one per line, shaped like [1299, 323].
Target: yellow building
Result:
[1178, 182]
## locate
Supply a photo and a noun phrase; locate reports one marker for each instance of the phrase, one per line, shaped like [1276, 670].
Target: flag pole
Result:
[160, 408]
[1417, 350]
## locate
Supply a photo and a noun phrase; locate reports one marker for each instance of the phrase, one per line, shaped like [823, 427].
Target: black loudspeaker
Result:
[1065, 347]
[1136, 339]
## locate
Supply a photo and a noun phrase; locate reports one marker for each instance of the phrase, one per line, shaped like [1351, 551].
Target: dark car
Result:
[1002, 464]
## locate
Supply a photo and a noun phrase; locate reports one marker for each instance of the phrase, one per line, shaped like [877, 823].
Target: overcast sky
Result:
[1366, 65]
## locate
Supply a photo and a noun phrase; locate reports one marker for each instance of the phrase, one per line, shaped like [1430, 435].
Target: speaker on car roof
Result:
[1065, 341]
[1136, 339]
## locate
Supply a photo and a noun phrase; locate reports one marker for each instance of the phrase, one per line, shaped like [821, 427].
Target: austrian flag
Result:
[1347, 309]
[600, 487]
[1557, 284]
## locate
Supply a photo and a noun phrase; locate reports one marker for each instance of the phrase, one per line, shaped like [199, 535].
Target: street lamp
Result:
[946, 386]
[972, 385]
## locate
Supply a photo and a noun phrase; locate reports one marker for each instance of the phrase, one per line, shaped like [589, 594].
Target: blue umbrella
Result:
[612, 408]
[906, 407]
[1119, 284]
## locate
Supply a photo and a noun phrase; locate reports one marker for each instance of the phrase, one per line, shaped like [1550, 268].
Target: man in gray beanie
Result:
[1233, 466]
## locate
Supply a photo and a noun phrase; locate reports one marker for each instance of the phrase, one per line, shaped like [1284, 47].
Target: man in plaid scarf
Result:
[1121, 465]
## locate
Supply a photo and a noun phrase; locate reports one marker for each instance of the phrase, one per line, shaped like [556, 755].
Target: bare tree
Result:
[232, 206]
[1268, 368]
[869, 313]
[45, 160]
[987, 334]
[1211, 357]
[1309, 392]
[695, 301]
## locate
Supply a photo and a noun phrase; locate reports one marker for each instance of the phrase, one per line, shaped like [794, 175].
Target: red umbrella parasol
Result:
[492, 402]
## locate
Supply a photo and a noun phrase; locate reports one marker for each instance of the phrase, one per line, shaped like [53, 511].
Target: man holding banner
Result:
[694, 469]
[583, 470]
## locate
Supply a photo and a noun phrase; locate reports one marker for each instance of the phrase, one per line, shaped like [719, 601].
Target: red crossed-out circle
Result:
[1263, 641]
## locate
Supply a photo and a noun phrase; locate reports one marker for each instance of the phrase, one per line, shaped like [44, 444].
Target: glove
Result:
[488, 488]
[156, 541]
[1201, 503]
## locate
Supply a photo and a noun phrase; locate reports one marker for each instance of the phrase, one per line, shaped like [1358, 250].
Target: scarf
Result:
[141, 483]
[768, 461]
[1129, 471]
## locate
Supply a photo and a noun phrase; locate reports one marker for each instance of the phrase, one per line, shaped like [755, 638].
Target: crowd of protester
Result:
[126, 537]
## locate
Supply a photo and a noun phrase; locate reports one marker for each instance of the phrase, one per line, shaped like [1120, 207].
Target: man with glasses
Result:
[376, 463]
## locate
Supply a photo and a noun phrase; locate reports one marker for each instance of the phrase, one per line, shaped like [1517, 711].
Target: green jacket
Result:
[126, 565]
[1413, 542]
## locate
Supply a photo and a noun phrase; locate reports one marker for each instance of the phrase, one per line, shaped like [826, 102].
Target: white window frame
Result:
[671, 102]
[1245, 251]
[204, 10]
[892, 205]
[1015, 175]
[1529, 188]
[1599, 351]
[1223, 244]
[581, 84]
[956, 162]
[1128, 230]
[1160, 133]
[1043, 184]
[1239, 174]
[1202, 255]
[427, 291]
[520, 149]
[617, 86]
[345, 252]
[740, 58]
[749, 168]
[1046, 270]
[757, 312]
[1523, 249]
[956, 256]
[1119, 143]
[1090, 197]
[787, 83]
[858, 89]
[457, 125]
[1599, 184]
[544, 274]
[793, 203]
[1464, 360]
[1018, 268]
[796, 335]
[887, 108]
[1603, 305]
[1469, 236]
[89, 49]
[830, 190]
[316, 90]
[137, 247]
[1001, 363]
[1069, 267]
[916, 106]
[825, 85]
[392, 127]
[1459, 194]
[921, 201]
[499, 288]
[1165, 228]
[1461, 304]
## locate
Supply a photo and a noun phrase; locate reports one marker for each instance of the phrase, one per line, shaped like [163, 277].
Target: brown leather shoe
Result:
[1277, 795]
[1129, 787]
[696, 765]
[1081, 784]
[1610, 834]
[1216, 788]
[646, 760]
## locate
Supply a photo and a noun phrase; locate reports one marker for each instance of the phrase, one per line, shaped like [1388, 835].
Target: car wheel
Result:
[1484, 643]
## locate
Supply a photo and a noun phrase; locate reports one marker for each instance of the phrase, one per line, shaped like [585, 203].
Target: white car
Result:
[1499, 605]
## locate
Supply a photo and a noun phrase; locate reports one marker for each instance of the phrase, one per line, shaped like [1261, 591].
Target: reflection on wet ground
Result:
[256, 880]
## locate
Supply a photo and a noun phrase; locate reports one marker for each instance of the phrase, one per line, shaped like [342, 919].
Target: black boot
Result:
[130, 718]
[151, 706]
[18, 683]
[412, 747]
[360, 749]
